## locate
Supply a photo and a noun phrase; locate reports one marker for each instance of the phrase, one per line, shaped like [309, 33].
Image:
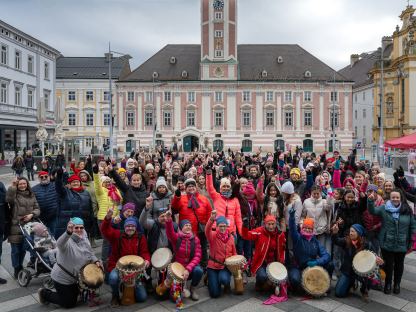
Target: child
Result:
[44, 243]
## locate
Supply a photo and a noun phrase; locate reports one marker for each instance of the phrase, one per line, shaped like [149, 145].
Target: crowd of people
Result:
[302, 210]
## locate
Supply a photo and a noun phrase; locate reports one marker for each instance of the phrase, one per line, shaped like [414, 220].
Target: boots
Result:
[387, 289]
[115, 301]
[396, 288]
[16, 272]
[194, 295]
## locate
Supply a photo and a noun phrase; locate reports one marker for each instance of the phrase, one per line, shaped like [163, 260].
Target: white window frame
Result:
[89, 119]
[218, 118]
[269, 96]
[30, 64]
[89, 96]
[4, 54]
[218, 97]
[288, 96]
[336, 118]
[130, 96]
[167, 118]
[288, 118]
[307, 96]
[191, 96]
[168, 96]
[18, 95]
[364, 131]
[46, 100]
[218, 16]
[106, 119]
[30, 97]
[219, 34]
[364, 113]
[269, 118]
[307, 118]
[219, 53]
[89, 142]
[191, 118]
[46, 70]
[334, 97]
[246, 118]
[148, 118]
[72, 119]
[106, 96]
[149, 97]
[130, 119]
[72, 95]
[18, 59]
[4, 88]
[246, 96]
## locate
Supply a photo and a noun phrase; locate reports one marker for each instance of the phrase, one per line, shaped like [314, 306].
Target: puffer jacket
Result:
[89, 186]
[394, 236]
[320, 211]
[218, 250]
[305, 250]
[227, 207]
[351, 214]
[262, 240]
[3, 209]
[123, 245]
[182, 255]
[160, 201]
[180, 205]
[104, 201]
[48, 201]
[22, 203]
[372, 222]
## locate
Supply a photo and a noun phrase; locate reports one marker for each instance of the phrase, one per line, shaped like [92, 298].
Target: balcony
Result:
[17, 110]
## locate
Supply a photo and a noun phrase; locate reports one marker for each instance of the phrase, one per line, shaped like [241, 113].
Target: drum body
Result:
[364, 263]
[91, 276]
[129, 268]
[175, 272]
[161, 258]
[315, 281]
[235, 265]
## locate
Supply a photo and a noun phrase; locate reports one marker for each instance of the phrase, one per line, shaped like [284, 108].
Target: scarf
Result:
[395, 211]
[112, 193]
[193, 203]
[224, 237]
[77, 189]
[308, 236]
[226, 194]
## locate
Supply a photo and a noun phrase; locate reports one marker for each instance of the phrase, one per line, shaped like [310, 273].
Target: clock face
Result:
[218, 4]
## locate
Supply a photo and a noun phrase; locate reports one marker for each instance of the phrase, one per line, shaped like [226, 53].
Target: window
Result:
[148, 120]
[307, 96]
[89, 96]
[46, 70]
[30, 64]
[18, 95]
[106, 119]
[190, 119]
[219, 53]
[218, 34]
[130, 96]
[288, 119]
[46, 100]
[247, 146]
[356, 114]
[334, 96]
[3, 92]
[218, 15]
[270, 118]
[364, 131]
[389, 105]
[71, 95]
[246, 119]
[355, 98]
[18, 60]
[308, 118]
[30, 94]
[334, 118]
[364, 113]
[89, 119]
[89, 142]
[269, 96]
[364, 96]
[130, 119]
[191, 96]
[4, 55]
[288, 96]
[355, 131]
[168, 96]
[106, 96]
[167, 119]
[72, 119]
[218, 119]
[218, 96]
[246, 96]
[149, 96]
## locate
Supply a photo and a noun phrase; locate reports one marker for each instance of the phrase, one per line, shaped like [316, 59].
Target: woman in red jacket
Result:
[270, 245]
[187, 250]
[222, 246]
[124, 243]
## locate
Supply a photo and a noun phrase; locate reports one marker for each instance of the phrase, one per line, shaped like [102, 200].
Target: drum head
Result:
[235, 260]
[131, 262]
[92, 275]
[177, 269]
[315, 281]
[276, 272]
[364, 262]
[161, 258]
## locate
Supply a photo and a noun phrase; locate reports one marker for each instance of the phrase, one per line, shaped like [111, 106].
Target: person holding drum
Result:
[398, 226]
[222, 246]
[187, 251]
[353, 244]
[124, 243]
[74, 251]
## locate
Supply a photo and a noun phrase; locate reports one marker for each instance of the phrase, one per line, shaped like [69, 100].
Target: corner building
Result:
[220, 94]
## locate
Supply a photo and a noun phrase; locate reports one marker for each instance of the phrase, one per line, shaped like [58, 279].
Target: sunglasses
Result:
[43, 177]
[78, 227]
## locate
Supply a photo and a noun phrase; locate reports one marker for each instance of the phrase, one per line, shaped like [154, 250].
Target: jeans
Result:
[295, 275]
[216, 278]
[66, 295]
[244, 247]
[196, 276]
[393, 261]
[345, 282]
[30, 174]
[18, 255]
[261, 275]
[114, 282]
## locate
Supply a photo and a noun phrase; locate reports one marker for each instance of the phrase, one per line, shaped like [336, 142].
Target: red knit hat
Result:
[269, 218]
[42, 173]
[308, 222]
[74, 177]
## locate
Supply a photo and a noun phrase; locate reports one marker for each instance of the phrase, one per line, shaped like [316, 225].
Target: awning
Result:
[405, 142]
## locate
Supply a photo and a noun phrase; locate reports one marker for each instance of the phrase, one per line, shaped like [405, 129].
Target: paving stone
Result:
[252, 304]
[325, 304]
[378, 307]
[35, 308]
[407, 295]
[410, 285]
[14, 294]
[388, 300]
[410, 307]
[17, 303]
[346, 308]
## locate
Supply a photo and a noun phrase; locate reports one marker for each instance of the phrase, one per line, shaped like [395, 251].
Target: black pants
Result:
[204, 249]
[393, 261]
[66, 295]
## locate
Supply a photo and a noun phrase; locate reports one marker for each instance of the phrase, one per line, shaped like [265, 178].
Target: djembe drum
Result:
[277, 274]
[364, 263]
[129, 268]
[91, 277]
[161, 258]
[315, 281]
[234, 265]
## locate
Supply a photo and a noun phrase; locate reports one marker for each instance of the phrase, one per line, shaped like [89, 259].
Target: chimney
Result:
[354, 59]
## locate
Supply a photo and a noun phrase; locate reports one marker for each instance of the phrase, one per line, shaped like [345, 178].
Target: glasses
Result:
[78, 227]
[43, 177]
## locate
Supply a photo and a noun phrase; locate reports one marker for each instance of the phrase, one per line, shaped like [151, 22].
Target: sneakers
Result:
[396, 289]
[194, 295]
[115, 301]
[2, 281]
[42, 299]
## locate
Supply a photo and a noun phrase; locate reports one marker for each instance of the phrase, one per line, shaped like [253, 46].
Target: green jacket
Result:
[394, 236]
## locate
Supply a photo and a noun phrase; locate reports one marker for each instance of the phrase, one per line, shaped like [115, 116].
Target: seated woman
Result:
[74, 251]
[352, 244]
[222, 246]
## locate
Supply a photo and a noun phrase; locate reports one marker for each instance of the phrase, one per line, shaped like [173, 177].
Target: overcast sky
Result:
[329, 29]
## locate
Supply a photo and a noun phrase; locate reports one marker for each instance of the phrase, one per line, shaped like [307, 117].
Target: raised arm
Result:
[293, 230]
[122, 186]
[210, 186]
[146, 219]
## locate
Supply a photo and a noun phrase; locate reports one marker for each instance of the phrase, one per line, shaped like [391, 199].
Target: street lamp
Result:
[154, 119]
[110, 95]
[333, 118]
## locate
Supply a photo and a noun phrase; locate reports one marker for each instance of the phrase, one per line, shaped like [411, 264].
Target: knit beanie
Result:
[161, 182]
[43, 173]
[308, 222]
[225, 181]
[190, 181]
[130, 221]
[269, 218]
[77, 221]
[372, 187]
[295, 171]
[359, 229]
[221, 220]
[150, 167]
[105, 179]
[73, 177]
[183, 223]
[128, 206]
[288, 188]
[121, 170]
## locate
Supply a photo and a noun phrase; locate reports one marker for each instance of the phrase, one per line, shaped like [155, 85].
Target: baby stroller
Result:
[39, 266]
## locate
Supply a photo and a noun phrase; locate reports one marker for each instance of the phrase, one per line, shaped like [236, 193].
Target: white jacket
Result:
[320, 211]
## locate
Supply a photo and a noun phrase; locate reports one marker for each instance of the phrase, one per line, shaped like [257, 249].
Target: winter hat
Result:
[130, 221]
[73, 177]
[359, 229]
[349, 173]
[105, 179]
[161, 182]
[221, 220]
[190, 181]
[288, 188]
[121, 170]
[309, 222]
[295, 171]
[43, 173]
[129, 161]
[128, 206]
[85, 172]
[183, 222]
[372, 187]
[150, 167]
[225, 181]
[77, 221]
[269, 218]
[39, 229]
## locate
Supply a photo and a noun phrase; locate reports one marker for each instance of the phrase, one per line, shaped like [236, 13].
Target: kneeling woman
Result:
[222, 246]
[352, 244]
[74, 250]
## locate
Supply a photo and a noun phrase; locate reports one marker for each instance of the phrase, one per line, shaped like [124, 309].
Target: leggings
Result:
[393, 261]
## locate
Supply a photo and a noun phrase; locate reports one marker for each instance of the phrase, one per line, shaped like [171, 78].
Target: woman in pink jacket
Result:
[187, 250]
[222, 246]
[225, 205]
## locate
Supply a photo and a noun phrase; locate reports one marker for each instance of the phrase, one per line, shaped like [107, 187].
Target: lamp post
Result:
[333, 118]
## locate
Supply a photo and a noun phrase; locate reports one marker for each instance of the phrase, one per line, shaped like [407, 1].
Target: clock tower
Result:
[219, 40]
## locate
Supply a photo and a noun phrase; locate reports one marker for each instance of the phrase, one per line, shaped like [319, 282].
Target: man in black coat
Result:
[3, 213]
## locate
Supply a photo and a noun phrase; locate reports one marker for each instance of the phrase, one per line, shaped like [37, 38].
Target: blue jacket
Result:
[305, 250]
[48, 201]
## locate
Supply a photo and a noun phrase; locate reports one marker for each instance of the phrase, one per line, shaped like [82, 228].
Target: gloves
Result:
[337, 164]
[178, 193]
[312, 263]
[400, 172]
[292, 210]
[59, 172]
[95, 169]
